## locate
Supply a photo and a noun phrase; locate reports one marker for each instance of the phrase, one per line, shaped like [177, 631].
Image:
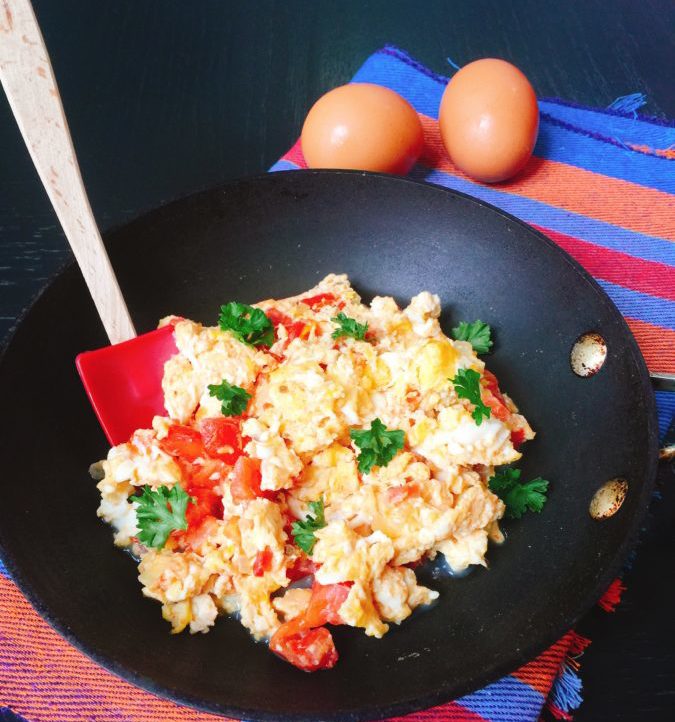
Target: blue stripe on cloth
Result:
[422, 91]
[574, 148]
[507, 700]
[649, 248]
[637, 305]
[555, 143]
[3, 569]
[653, 131]
[665, 404]
[283, 165]
[633, 130]
[6, 715]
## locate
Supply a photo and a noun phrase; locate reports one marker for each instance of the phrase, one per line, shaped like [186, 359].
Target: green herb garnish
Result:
[349, 327]
[476, 333]
[518, 497]
[250, 325]
[234, 398]
[303, 531]
[467, 386]
[377, 445]
[159, 512]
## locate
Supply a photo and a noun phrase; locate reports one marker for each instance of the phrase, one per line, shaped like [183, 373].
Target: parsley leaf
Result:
[160, 512]
[476, 333]
[378, 446]
[467, 386]
[234, 398]
[250, 325]
[349, 327]
[303, 531]
[518, 497]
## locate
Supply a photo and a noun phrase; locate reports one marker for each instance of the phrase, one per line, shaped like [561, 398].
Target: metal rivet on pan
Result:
[608, 499]
[588, 354]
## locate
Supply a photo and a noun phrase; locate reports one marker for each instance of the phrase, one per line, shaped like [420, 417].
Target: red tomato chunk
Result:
[184, 442]
[309, 649]
[303, 641]
[493, 398]
[321, 300]
[263, 562]
[246, 480]
[222, 438]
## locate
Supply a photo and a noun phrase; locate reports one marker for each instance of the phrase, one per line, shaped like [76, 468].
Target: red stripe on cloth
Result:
[621, 203]
[655, 279]
[295, 155]
[656, 343]
[540, 673]
[45, 679]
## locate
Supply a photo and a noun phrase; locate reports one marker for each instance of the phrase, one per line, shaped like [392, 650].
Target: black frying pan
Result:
[271, 237]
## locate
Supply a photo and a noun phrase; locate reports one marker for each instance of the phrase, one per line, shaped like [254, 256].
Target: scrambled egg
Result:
[307, 391]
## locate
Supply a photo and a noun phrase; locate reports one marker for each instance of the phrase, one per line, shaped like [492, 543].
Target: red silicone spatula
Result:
[123, 381]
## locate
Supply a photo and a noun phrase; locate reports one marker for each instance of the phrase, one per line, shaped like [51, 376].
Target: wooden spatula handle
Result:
[28, 80]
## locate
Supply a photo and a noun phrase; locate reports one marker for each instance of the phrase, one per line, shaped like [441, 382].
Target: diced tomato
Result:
[205, 475]
[321, 300]
[302, 567]
[517, 438]
[298, 329]
[324, 604]
[303, 641]
[196, 534]
[397, 494]
[184, 442]
[222, 438]
[263, 562]
[208, 503]
[200, 517]
[493, 398]
[309, 649]
[294, 329]
[277, 317]
[246, 480]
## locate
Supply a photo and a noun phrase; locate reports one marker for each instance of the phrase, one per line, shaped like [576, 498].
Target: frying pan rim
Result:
[441, 695]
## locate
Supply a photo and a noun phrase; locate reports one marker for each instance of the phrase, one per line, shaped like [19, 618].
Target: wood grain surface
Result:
[165, 97]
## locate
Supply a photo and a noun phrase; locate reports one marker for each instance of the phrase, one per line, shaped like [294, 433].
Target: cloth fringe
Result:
[611, 599]
[565, 695]
[630, 103]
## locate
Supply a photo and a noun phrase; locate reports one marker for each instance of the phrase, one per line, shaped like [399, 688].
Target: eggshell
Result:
[489, 120]
[362, 126]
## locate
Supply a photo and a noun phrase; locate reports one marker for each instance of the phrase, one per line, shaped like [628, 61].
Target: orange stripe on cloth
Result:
[45, 679]
[656, 343]
[621, 203]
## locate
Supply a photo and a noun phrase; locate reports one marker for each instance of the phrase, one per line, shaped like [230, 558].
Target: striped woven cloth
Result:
[602, 185]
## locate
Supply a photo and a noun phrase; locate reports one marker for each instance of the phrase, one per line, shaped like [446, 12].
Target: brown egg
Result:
[362, 126]
[489, 120]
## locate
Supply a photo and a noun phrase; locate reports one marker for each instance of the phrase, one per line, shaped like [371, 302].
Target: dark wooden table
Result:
[165, 97]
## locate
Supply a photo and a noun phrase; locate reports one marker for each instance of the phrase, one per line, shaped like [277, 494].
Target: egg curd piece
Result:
[274, 497]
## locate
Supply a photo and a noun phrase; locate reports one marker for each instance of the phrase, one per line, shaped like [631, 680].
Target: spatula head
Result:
[124, 382]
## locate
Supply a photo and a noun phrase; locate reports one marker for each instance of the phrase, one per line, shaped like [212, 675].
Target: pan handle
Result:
[28, 80]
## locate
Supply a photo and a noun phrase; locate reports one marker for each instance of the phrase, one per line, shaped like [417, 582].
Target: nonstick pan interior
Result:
[277, 235]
